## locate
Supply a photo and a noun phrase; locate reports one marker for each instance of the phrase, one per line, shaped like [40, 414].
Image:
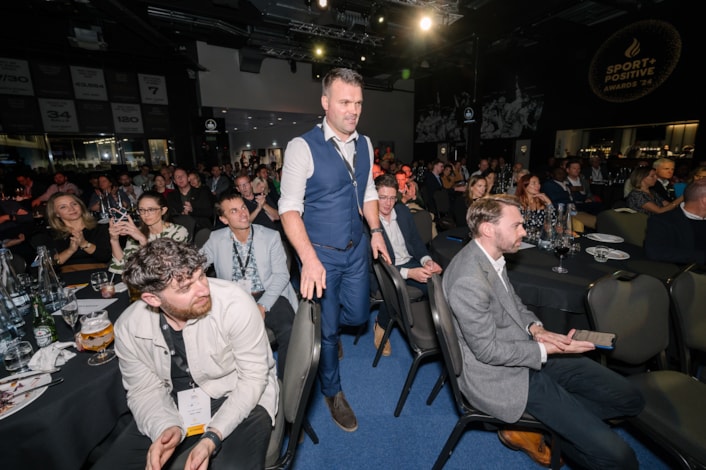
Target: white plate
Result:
[605, 238]
[17, 385]
[612, 254]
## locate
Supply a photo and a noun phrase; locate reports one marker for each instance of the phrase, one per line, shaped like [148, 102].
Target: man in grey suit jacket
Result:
[513, 365]
[254, 257]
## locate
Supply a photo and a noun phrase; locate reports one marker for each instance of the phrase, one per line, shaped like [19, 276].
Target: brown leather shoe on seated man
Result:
[530, 442]
[378, 334]
[341, 412]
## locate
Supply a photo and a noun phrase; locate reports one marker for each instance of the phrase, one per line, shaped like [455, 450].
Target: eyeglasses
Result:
[387, 198]
[149, 210]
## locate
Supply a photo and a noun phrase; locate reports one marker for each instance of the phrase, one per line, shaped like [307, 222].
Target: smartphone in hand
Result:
[599, 339]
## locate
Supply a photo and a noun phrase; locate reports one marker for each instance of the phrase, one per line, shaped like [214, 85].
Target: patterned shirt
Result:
[174, 231]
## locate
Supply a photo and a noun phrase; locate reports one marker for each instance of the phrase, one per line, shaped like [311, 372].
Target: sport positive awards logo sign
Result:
[635, 61]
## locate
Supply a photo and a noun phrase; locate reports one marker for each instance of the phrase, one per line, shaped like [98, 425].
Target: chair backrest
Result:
[687, 291]
[424, 223]
[299, 374]
[630, 226]
[636, 308]
[201, 237]
[446, 335]
[188, 222]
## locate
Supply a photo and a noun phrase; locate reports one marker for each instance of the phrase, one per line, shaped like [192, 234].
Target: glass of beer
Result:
[96, 335]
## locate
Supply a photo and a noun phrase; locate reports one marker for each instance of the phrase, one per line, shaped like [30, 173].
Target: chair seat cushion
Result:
[669, 410]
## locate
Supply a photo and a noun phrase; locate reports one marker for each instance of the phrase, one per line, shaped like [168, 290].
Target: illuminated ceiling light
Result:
[425, 23]
[247, 145]
[274, 143]
[319, 51]
[362, 58]
[322, 4]
[249, 117]
[279, 118]
[224, 111]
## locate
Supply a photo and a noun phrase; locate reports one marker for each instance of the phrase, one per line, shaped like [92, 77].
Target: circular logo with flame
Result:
[635, 61]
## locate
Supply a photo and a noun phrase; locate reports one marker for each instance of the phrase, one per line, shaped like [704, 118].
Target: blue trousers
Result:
[345, 302]
[573, 395]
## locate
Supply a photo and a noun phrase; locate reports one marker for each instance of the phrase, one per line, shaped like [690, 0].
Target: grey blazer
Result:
[491, 324]
[270, 258]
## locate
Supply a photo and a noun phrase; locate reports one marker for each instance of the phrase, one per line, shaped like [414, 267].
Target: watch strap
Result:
[213, 437]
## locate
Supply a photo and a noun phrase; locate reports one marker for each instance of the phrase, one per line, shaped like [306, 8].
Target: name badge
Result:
[195, 409]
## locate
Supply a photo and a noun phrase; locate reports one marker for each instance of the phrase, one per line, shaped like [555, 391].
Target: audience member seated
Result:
[679, 236]
[154, 212]
[627, 187]
[218, 183]
[108, 196]
[80, 242]
[476, 188]
[28, 189]
[597, 175]
[264, 173]
[431, 184]
[144, 179]
[160, 185]
[556, 188]
[405, 247]
[490, 179]
[130, 190]
[448, 177]
[642, 198]
[665, 173]
[695, 174]
[262, 208]
[512, 365]
[580, 189]
[535, 206]
[61, 184]
[516, 175]
[254, 257]
[190, 202]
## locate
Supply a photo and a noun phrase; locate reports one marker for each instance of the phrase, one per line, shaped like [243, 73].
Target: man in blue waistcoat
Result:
[327, 189]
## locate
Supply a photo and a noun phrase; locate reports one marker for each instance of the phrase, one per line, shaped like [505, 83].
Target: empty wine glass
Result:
[70, 309]
[96, 335]
[562, 245]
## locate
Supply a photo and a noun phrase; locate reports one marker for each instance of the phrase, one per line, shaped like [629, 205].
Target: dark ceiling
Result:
[289, 29]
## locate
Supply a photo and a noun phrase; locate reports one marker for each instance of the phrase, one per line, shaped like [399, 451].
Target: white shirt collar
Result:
[329, 134]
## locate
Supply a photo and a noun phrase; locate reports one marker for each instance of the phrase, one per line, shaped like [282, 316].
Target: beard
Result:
[193, 311]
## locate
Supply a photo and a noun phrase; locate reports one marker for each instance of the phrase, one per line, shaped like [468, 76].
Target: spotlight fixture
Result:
[425, 23]
[322, 4]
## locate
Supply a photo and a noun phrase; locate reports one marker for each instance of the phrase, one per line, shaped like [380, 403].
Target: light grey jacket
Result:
[228, 354]
[491, 325]
[270, 258]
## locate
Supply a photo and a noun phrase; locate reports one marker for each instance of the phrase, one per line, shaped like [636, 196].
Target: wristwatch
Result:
[377, 230]
[215, 439]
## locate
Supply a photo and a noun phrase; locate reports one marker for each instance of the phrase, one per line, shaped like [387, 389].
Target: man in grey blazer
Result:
[513, 365]
[254, 257]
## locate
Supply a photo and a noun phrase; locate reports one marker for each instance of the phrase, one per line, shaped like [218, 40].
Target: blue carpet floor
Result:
[415, 438]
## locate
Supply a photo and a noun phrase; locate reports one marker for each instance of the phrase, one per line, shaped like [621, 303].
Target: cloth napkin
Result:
[50, 357]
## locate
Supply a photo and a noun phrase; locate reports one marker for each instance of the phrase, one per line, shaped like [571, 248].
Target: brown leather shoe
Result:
[341, 412]
[378, 334]
[530, 442]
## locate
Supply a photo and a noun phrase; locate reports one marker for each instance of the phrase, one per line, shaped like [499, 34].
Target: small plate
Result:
[612, 254]
[16, 386]
[605, 238]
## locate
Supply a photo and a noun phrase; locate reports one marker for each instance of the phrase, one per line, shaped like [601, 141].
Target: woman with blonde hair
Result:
[153, 210]
[79, 241]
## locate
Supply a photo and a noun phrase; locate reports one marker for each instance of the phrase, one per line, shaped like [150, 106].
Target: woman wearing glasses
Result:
[153, 210]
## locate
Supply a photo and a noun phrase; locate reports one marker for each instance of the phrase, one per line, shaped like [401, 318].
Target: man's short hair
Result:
[488, 209]
[661, 161]
[154, 266]
[348, 76]
[695, 190]
[226, 196]
[386, 180]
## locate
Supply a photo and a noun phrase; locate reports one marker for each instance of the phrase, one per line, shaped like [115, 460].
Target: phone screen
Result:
[601, 340]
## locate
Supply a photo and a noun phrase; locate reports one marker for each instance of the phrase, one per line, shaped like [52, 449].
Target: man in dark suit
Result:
[405, 246]
[679, 235]
[664, 186]
[512, 365]
[218, 183]
[190, 202]
[432, 184]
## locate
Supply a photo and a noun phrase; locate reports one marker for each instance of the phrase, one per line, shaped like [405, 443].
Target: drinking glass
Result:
[70, 309]
[96, 335]
[18, 356]
[98, 279]
[562, 245]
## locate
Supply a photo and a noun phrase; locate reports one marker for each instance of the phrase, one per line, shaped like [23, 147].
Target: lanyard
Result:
[351, 171]
[166, 332]
[242, 266]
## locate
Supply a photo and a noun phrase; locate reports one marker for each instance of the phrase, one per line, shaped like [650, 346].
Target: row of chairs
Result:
[635, 307]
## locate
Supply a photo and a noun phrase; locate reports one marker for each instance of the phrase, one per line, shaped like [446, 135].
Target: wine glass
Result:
[96, 335]
[562, 245]
[98, 279]
[70, 309]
